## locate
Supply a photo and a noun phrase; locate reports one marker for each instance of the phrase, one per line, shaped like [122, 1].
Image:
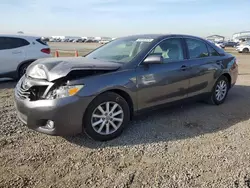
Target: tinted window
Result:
[170, 50]
[197, 48]
[41, 42]
[212, 52]
[11, 42]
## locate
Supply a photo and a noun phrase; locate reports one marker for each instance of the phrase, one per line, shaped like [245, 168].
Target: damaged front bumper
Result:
[35, 111]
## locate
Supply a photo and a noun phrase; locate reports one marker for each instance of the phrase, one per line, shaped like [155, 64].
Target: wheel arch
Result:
[123, 94]
[25, 62]
[246, 48]
[228, 76]
[127, 97]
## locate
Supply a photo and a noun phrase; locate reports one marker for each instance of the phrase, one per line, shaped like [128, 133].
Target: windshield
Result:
[120, 50]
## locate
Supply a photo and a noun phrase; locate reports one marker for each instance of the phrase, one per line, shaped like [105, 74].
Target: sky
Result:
[115, 18]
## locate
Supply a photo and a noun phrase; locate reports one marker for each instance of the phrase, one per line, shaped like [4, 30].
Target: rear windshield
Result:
[41, 42]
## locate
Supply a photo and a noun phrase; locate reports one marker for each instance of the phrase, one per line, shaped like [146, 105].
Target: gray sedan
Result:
[98, 94]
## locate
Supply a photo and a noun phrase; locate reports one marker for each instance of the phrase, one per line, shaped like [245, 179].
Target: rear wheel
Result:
[220, 90]
[106, 117]
[245, 50]
[22, 70]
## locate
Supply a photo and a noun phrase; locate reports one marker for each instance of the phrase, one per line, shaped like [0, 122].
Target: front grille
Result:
[22, 92]
[31, 90]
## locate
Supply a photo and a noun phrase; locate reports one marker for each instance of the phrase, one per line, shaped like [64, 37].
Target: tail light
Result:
[235, 64]
[46, 50]
[235, 61]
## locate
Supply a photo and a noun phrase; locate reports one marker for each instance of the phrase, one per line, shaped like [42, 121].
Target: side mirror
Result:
[153, 59]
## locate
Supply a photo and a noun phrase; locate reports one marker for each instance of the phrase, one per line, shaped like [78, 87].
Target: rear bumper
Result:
[66, 113]
[234, 76]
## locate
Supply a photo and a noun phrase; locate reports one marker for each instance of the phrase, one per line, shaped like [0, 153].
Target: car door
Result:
[167, 82]
[203, 61]
[11, 54]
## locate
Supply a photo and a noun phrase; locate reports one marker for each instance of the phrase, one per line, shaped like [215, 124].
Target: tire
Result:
[99, 131]
[245, 50]
[22, 69]
[213, 99]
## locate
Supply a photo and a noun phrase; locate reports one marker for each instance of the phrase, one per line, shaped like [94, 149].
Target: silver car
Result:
[98, 94]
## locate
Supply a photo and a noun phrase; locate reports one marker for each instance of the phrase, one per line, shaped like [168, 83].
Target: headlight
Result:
[37, 72]
[64, 91]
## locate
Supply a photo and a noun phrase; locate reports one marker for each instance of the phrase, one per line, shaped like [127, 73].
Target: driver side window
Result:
[170, 49]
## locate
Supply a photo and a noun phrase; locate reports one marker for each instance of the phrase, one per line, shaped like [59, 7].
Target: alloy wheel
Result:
[221, 90]
[107, 118]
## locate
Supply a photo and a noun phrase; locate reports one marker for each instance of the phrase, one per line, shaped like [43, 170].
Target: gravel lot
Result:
[194, 145]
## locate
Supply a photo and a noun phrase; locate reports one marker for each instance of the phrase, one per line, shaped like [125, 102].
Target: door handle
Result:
[219, 62]
[16, 52]
[184, 67]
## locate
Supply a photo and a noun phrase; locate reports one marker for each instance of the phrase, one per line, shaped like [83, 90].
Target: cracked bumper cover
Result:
[67, 114]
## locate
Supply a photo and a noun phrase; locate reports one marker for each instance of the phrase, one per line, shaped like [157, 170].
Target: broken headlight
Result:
[64, 91]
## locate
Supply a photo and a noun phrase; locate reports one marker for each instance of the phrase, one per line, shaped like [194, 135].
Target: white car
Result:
[104, 41]
[220, 44]
[244, 47]
[17, 52]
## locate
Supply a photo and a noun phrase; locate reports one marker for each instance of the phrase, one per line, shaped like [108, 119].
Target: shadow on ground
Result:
[180, 122]
[7, 84]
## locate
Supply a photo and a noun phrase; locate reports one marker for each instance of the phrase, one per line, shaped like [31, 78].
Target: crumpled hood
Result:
[56, 68]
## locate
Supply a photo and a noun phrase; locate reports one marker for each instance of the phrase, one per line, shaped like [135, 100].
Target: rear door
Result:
[11, 53]
[163, 83]
[203, 61]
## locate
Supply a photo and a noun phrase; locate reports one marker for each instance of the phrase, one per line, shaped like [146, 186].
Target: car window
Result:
[11, 43]
[170, 49]
[41, 42]
[120, 50]
[212, 52]
[197, 49]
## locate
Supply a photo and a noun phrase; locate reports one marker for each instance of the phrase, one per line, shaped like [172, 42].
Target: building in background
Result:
[216, 38]
[241, 36]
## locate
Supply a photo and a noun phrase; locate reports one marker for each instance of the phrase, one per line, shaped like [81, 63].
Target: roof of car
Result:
[19, 36]
[158, 36]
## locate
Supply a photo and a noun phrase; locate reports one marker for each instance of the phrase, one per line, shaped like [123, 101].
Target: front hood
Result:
[55, 68]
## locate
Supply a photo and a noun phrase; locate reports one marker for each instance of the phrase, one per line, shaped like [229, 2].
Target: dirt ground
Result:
[195, 145]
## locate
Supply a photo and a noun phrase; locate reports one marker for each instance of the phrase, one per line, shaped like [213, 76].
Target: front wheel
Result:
[106, 117]
[245, 50]
[220, 90]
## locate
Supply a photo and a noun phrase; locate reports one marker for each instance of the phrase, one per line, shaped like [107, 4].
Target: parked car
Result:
[220, 44]
[18, 51]
[243, 47]
[98, 94]
[79, 40]
[230, 44]
[52, 40]
[45, 39]
[104, 41]
[65, 40]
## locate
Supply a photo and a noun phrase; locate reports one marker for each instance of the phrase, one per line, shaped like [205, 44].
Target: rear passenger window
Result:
[197, 49]
[170, 49]
[41, 42]
[12, 42]
[212, 52]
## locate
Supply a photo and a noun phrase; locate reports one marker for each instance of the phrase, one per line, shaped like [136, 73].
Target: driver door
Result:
[167, 82]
